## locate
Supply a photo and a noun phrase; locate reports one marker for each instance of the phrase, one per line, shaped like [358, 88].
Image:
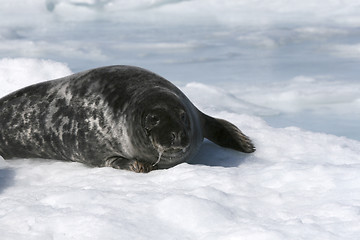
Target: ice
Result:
[285, 72]
[221, 100]
[305, 93]
[346, 50]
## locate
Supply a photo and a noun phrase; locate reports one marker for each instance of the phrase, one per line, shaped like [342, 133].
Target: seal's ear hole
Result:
[152, 120]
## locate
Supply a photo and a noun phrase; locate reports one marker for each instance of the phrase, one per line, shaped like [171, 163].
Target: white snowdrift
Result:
[21, 72]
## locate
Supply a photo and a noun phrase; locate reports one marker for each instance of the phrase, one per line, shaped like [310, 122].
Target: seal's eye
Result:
[152, 120]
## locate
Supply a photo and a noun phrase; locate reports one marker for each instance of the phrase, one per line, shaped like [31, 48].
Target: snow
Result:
[20, 72]
[285, 72]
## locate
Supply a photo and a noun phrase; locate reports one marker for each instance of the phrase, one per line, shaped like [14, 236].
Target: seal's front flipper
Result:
[119, 162]
[226, 134]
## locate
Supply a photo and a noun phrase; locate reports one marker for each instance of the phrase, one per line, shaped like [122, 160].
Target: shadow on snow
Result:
[211, 154]
[6, 178]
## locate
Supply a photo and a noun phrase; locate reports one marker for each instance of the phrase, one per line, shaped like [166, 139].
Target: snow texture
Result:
[297, 185]
[285, 72]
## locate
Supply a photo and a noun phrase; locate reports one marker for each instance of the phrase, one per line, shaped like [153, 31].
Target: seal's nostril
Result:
[182, 134]
[178, 138]
[173, 137]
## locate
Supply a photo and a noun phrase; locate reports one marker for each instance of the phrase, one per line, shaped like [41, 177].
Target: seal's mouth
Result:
[169, 154]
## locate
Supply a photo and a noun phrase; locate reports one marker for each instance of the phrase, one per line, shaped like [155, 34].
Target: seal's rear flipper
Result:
[226, 134]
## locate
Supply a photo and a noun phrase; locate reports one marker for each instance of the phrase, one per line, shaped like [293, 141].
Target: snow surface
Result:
[297, 185]
[285, 72]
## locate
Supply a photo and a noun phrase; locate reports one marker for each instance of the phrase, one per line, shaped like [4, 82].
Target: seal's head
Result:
[166, 129]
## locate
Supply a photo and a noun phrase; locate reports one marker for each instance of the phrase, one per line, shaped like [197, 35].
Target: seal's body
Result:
[120, 116]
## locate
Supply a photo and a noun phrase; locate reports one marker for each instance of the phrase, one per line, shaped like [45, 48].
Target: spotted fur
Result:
[97, 117]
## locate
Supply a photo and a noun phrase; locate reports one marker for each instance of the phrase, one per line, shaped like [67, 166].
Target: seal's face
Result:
[163, 126]
[168, 130]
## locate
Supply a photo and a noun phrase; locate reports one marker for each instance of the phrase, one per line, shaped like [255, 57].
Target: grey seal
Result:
[120, 116]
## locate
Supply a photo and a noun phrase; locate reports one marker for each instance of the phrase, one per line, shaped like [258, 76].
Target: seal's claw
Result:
[140, 167]
[129, 164]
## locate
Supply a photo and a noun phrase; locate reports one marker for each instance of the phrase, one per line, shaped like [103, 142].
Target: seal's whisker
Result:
[161, 151]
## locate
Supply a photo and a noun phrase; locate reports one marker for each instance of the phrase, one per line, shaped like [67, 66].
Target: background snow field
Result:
[285, 72]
